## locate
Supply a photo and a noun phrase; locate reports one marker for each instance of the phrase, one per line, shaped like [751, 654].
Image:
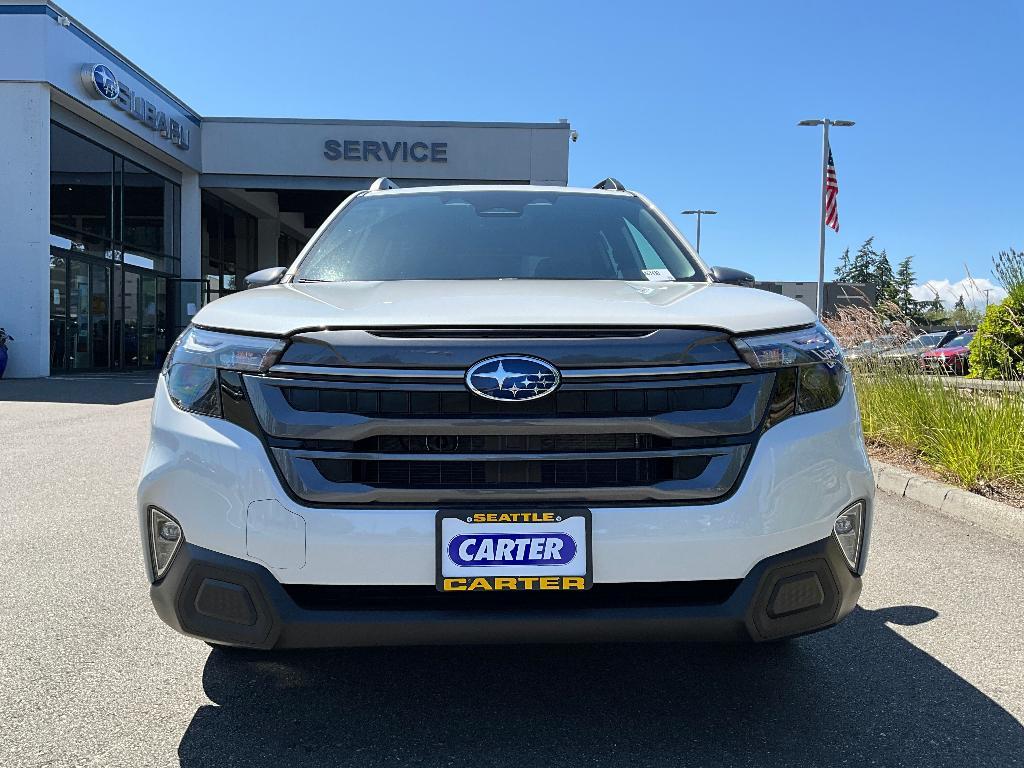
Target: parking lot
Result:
[928, 671]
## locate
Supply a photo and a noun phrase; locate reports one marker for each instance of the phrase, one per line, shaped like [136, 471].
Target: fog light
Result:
[170, 531]
[165, 537]
[848, 530]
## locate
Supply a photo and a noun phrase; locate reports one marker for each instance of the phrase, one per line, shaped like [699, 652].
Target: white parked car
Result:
[503, 414]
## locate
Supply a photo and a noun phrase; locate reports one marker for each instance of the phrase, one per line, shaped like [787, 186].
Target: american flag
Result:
[831, 194]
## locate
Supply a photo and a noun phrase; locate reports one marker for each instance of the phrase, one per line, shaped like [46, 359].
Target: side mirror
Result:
[268, 276]
[732, 276]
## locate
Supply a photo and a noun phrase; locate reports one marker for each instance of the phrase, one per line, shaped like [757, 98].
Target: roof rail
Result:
[383, 183]
[610, 183]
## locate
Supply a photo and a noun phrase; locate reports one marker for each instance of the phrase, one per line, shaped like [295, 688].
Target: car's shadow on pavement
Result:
[857, 695]
[87, 389]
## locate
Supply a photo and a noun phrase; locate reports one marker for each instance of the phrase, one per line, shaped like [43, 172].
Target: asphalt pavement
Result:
[928, 671]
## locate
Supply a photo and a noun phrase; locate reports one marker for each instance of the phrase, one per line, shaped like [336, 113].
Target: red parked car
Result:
[952, 358]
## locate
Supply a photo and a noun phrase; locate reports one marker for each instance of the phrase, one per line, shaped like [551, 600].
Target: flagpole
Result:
[825, 123]
[821, 232]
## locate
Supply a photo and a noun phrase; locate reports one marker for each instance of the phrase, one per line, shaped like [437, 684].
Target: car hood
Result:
[944, 351]
[903, 353]
[287, 308]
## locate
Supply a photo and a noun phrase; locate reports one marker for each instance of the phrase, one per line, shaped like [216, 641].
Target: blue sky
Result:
[695, 104]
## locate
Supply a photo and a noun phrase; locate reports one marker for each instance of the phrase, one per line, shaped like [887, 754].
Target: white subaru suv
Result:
[503, 414]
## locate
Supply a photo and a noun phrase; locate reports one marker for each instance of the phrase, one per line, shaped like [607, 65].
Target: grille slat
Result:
[470, 444]
[602, 473]
[568, 402]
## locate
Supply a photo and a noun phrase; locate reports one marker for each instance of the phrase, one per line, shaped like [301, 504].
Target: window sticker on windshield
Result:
[658, 275]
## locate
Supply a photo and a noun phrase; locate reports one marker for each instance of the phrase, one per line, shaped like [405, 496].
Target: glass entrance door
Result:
[78, 315]
[147, 322]
[99, 314]
[58, 312]
[132, 300]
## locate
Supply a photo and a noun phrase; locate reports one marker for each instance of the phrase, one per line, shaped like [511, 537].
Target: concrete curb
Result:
[948, 500]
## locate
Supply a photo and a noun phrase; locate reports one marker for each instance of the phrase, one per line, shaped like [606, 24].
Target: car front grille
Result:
[618, 435]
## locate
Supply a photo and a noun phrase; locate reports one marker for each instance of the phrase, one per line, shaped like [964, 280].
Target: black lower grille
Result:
[315, 597]
[591, 473]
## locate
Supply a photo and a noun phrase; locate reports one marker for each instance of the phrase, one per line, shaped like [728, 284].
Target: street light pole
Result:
[699, 214]
[824, 123]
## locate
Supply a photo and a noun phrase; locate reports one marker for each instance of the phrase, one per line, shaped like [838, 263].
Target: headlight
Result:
[805, 346]
[820, 371]
[192, 366]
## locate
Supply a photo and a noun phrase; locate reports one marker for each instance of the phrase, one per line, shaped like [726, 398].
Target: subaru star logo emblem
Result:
[512, 377]
[101, 79]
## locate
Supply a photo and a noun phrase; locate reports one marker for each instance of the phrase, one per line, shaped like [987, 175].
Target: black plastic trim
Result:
[282, 623]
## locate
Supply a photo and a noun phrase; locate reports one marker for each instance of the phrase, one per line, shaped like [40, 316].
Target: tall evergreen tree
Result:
[885, 281]
[862, 268]
[843, 267]
[905, 279]
[960, 306]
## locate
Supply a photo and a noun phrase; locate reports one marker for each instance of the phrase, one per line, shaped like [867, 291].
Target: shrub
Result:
[998, 348]
[1009, 269]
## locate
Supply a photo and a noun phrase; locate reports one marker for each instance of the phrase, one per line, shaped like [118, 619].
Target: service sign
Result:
[510, 550]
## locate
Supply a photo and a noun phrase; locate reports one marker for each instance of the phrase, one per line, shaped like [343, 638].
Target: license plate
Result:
[513, 550]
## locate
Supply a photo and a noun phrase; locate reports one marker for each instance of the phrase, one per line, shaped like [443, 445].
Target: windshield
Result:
[487, 235]
[962, 340]
[875, 345]
[925, 341]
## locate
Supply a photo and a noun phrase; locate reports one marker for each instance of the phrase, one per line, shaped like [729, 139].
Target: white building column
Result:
[189, 297]
[191, 226]
[25, 226]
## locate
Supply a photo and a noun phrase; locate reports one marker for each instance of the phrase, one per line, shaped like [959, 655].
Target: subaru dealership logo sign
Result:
[102, 80]
[512, 377]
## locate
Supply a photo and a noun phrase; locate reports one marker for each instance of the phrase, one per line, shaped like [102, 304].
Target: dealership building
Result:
[122, 210]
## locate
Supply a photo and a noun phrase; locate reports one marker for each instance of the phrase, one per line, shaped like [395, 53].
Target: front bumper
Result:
[216, 480]
[231, 601]
[944, 364]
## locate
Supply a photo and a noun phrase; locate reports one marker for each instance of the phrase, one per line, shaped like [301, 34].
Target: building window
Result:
[81, 190]
[149, 204]
[288, 249]
[113, 248]
[228, 246]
